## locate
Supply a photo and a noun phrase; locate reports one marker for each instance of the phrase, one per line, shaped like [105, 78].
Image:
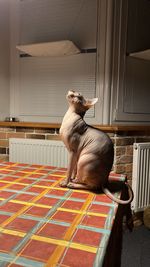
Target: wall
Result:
[123, 143]
[4, 59]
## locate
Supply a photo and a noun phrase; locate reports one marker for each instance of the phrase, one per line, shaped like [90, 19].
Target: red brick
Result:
[24, 130]
[119, 168]
[15, 135]
[124, 141]
[41, 130]
[4, 143]
[128, 167]
[120, 150]
[124, 159]
[2, 135]
[53, 137]
[129, 150]
[35, 136]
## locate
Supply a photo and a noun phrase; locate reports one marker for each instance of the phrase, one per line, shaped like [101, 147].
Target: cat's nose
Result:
[71, 92]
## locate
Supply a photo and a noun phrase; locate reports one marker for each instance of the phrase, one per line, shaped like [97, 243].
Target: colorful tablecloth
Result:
[43, 224]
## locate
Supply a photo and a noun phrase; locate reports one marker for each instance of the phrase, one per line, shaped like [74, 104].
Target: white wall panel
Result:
[137, 86]
[53, 20]
[130, 76]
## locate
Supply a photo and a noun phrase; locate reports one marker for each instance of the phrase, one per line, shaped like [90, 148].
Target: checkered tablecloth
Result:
[43, 224]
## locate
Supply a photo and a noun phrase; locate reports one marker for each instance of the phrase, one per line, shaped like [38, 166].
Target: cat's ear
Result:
[90, 102]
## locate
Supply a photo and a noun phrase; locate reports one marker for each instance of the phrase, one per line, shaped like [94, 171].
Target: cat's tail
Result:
[120, 201]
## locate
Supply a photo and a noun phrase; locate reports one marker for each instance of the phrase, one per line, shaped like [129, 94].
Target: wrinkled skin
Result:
[91, 151]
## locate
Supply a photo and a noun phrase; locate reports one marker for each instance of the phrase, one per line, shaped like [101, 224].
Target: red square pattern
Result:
[28, 170]
[24, 197]
[78, 258]
[13, 168]
[103, 198]
[20, 224]
[8, 163]
[36, 166]
[60, 173]
[52, 177]
[11, 207]
[69, 204]
[64, 216]
[17, 186]
[94, 221]
[3, 184]
[45, 183]
[35, 175]
[5, 194]
[99, 208]
[38, 250]
[7, 242]
[19, 174]
[38, 190]
[27, 181]
[79, 195]
[10, 178]
[49, 168]
[53, 230]
[3, 218]
[21, 164]
[56, 192]
[37, 211]
[48, 201]
[4, 172]
[87, 237]
[43, 171]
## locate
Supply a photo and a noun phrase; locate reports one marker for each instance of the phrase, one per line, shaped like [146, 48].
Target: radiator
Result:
[141, 176]
[34, 151]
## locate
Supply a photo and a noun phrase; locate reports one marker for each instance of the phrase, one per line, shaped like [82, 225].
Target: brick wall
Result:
[18, 132]
[123, 144]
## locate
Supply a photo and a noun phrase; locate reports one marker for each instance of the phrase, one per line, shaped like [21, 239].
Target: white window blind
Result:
[39, 85]
[44, 83]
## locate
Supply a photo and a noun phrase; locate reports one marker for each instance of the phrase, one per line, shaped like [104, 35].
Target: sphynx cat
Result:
[91, 151]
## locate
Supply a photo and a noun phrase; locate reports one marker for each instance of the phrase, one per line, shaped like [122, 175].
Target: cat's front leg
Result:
[71, 168]
[74, 171]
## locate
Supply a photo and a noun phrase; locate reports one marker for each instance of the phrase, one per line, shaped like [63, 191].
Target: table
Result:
[43, 224]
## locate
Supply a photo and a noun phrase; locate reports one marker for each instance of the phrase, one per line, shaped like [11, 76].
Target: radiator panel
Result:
[33, 151]
[141, 176]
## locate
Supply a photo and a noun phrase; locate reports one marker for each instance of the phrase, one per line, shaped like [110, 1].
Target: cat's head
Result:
[79, 103]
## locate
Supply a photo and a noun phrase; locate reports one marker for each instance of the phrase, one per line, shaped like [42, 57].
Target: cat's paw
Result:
[75, 181]
[71, 185]
[63, 183]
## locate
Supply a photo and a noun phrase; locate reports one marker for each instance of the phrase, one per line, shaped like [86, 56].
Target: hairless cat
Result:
[91, 151]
